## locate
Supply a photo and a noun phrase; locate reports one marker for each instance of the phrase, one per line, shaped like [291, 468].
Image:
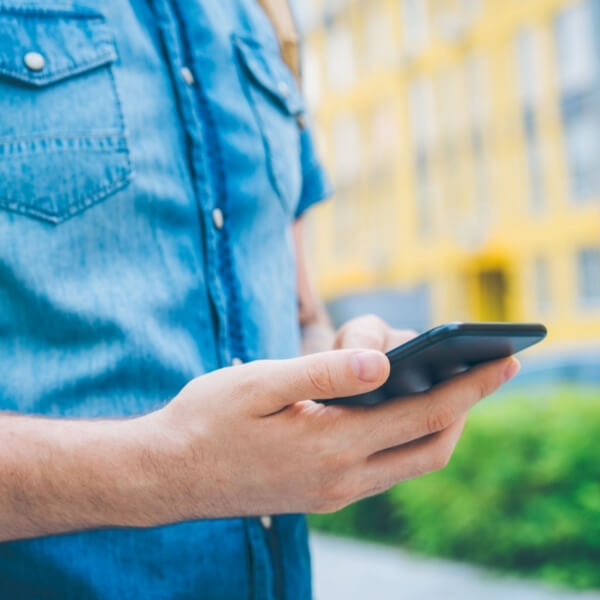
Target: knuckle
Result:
[333, 493]
[322, 449]
[493, 382]
[484, 387]
[326, 508]
[489, 379]
[249, 381]
[373, 319]
[419, 468]
[374, 323]
[340, 493]
[439, 417]
[337, 461]
[368, 319]
[441, 451]
[368, 338]
[368, 331]
[320, 377]
[340, 336]
[441, 459]
[326, 501]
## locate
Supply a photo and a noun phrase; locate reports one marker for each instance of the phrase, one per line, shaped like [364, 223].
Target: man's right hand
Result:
[251, 440]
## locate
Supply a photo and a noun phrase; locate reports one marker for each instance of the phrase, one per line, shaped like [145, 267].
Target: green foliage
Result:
[522, 493]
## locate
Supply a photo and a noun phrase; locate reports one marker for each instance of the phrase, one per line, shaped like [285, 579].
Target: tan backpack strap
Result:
[280, 15]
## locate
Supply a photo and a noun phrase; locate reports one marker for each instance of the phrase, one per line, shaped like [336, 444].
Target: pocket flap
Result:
[40, 46]
[268, 70]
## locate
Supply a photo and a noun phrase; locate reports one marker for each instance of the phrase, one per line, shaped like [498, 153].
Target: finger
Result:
[372, 332]
[368, 331]
[406, 419]
[385, 469]
[317, 377]
[397, 337]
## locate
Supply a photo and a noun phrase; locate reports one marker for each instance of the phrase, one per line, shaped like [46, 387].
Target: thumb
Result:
[322, 377]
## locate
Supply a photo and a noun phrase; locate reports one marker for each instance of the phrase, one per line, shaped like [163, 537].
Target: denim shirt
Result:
[152, 160]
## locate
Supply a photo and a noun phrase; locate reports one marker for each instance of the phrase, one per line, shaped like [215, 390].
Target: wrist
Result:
[155, 456]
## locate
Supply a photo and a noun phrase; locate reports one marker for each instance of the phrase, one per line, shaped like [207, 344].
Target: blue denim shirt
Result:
[151, 164]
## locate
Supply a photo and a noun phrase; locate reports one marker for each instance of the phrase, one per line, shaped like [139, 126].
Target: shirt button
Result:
[284, 89]
[34, 61]
[266, 522]
[187, 75]
[236, 362]
[218, 218]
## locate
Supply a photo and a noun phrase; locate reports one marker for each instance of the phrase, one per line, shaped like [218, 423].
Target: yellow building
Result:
[464, 140]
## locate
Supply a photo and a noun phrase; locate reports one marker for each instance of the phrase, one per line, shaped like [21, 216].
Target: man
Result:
[153, 158]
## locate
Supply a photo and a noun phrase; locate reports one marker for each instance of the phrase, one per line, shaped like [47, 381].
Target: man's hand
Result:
[251, 440]
[371, 332]
[247, 440]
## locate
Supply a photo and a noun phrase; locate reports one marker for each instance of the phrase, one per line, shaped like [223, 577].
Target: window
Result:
[528, 58]
[311, 76]
[308, 15]
[530, 93]
[346, 149]
[382, 205]
[576, 49]
[478, 90]
[453, 115]
[340, 58]
[541, 274]
[334, 7]
[453, 17]
[384, 137]
[379, 38]
[422, 112]
[478, 86]
[588, 269]
[423, 129]
[535, 160]
[347, 171]
[452, 103]
[578, 82]
[415, 26]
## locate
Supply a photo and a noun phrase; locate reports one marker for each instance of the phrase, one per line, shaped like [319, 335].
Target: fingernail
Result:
[514, 366]
[367, 366]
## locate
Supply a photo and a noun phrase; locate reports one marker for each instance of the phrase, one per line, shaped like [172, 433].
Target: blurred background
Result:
[463, 137]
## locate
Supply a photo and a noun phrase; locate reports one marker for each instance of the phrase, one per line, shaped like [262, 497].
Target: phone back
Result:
[446, 351]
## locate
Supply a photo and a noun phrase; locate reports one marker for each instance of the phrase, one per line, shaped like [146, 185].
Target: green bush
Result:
[522, 493]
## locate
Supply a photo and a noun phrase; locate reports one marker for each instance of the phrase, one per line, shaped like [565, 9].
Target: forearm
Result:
[61, 475]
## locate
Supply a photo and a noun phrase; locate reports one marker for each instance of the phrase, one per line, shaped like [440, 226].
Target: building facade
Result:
[464, 140]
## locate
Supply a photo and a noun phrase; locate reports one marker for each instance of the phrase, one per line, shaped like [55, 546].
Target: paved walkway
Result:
[349, 570]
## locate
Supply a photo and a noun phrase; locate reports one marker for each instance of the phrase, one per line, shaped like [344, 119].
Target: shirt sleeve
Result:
[316, 185]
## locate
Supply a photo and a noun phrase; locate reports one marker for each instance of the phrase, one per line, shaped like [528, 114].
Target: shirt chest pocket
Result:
[62, 140]
[278, 107]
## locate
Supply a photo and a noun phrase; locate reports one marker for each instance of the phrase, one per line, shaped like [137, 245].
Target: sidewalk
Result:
[350, 570]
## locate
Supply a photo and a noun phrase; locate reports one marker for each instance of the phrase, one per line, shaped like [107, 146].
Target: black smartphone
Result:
[444, 352]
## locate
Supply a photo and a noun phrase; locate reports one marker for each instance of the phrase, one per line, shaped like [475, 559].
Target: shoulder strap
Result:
[280, 15]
